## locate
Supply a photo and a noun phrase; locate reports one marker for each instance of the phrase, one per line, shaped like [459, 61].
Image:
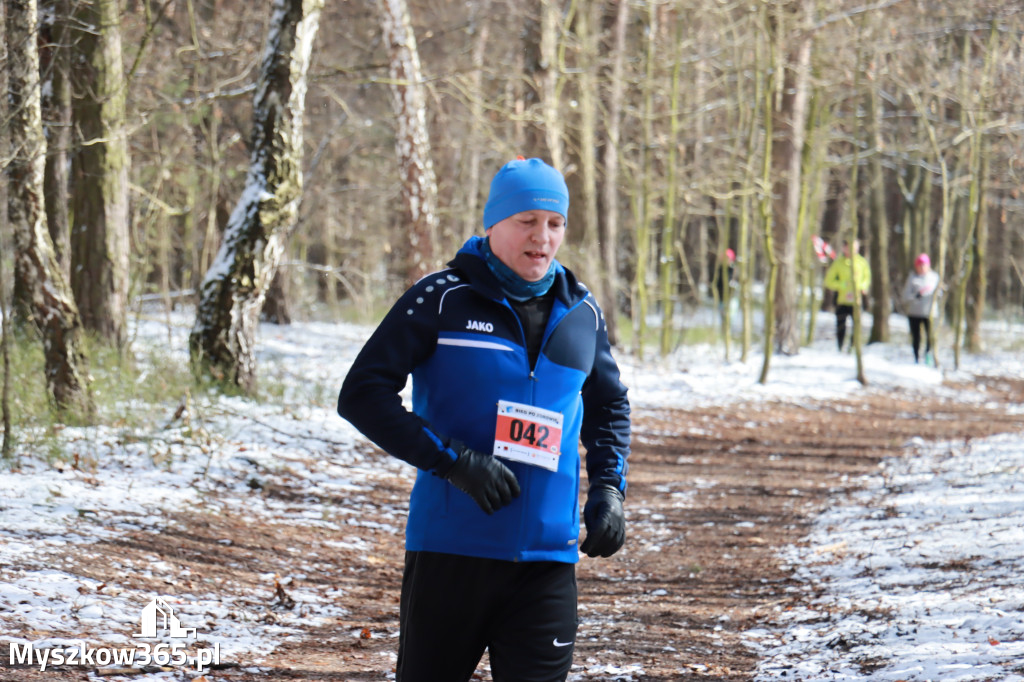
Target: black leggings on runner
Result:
[842, 313]
[916, 323]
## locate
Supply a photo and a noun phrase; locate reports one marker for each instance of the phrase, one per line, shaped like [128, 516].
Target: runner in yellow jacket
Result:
[850, 278]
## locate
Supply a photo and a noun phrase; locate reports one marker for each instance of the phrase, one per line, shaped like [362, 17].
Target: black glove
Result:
[491, 484]
[606, 524]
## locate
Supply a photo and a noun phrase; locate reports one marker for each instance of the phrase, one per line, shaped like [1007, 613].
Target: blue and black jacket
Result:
[455, 332]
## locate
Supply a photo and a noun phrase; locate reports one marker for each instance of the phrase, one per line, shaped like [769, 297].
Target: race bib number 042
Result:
[528, 434]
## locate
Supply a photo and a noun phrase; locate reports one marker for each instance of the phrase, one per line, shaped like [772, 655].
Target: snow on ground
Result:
[919, 575]
[934, 542]
[126, 481]
[696, 375]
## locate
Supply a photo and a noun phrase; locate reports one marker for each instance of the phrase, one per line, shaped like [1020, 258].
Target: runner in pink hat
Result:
[921, 287]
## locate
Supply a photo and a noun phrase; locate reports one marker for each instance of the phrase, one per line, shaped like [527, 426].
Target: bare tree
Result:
[223, 339]
[667, 269]
[643, 193]
[857, 342]
[412, 140]
[765, 203]
[742, 189]
[55, 65]
[610, 188]
[977, 283]
[99, 169]
[47, 299]
[543, 78]
[881, 284]
[480, 19]
[946, 213]
[791, 24]
[550, 81]
[6, 447]
[587, 228]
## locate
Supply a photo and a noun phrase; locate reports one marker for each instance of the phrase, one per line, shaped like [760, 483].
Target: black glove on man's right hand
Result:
[491, 484]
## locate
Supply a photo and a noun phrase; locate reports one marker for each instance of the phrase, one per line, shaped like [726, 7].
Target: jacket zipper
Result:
[549, 328]
[525, 485]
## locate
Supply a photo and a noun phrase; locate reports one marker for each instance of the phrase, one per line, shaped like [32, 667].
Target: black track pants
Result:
[843, 312]
[453, 607]
[916, 325]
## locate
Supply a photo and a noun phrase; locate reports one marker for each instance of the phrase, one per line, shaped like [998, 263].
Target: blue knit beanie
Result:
[525, 185]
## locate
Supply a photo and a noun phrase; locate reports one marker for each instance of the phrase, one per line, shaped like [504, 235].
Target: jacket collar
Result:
[469, 260]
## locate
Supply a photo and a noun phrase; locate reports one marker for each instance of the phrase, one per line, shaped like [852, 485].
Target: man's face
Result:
[527, 242]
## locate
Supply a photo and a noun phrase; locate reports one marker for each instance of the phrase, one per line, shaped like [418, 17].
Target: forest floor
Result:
[714, 494]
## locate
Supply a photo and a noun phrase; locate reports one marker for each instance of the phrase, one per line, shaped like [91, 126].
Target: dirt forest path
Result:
[714, 494]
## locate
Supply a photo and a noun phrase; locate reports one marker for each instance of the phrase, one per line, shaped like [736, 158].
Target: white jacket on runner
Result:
[918, 293]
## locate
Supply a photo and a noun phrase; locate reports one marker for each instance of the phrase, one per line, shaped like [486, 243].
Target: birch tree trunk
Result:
[55, 67]
[99, 169]
[412, 141]
[47, 299]
[223, 339]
